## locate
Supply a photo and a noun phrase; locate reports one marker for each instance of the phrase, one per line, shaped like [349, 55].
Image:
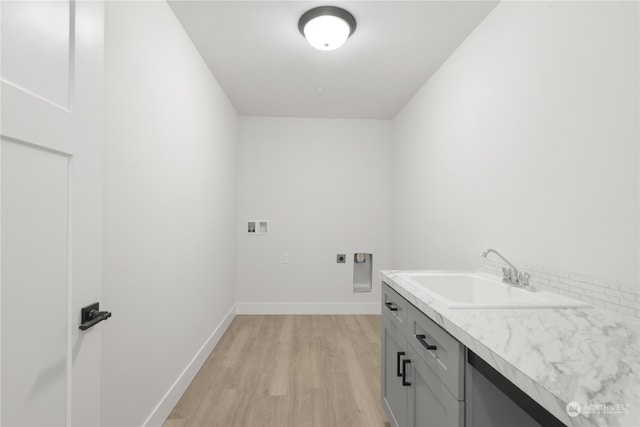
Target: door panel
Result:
[34, 307]
[35, 37]
[50, 207]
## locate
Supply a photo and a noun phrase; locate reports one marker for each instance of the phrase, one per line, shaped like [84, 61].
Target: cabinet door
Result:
[446, 359]
[430, 403]
[394, 394]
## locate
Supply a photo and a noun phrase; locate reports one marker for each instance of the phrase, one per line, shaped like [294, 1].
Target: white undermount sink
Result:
[479, 290]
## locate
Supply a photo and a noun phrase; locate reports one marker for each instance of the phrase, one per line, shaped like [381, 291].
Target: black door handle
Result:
[404, 372]
[91, 316]
[390, 306]
[426, 345]
[398, 371]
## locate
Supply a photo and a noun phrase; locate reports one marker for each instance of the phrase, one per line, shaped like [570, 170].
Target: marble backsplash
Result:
[614, 296]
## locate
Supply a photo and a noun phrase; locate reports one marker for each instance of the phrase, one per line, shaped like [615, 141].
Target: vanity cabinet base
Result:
[430, 379]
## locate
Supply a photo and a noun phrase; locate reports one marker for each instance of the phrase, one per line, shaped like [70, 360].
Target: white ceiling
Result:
[267, 68]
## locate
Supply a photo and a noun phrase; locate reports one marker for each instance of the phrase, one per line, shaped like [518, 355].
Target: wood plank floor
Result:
[298, 371]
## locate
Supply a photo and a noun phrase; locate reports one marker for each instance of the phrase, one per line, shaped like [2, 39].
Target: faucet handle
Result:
[523, 279]
[506, 273]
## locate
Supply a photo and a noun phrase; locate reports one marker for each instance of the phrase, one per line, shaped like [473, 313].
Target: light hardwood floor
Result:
[296, 371]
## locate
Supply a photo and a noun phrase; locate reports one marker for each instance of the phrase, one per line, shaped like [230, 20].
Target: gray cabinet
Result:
[430, 379]
[396, 308]
[412, 393]
[394, 394]
[430, 402]
[443, 353]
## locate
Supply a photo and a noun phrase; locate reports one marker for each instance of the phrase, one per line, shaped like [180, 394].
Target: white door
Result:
[50, 204]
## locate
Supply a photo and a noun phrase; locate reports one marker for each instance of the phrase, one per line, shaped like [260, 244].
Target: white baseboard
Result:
[307, 308]
[168, 402]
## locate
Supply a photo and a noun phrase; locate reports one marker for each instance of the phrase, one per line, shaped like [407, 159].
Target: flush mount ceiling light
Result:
[327, 27]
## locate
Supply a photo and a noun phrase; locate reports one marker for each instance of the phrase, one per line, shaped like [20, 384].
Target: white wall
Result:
[526, 140]
[324, 185]
[169, 199]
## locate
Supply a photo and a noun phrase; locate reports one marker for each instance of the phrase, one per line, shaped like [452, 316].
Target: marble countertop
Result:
[590, 356]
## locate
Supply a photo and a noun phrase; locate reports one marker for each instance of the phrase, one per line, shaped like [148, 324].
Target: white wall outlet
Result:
[285, 258]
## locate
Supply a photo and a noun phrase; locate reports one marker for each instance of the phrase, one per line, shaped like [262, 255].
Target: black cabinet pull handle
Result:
[398, 371]
[390, 306]
[404, 372]
[426, 345]
[91, 316]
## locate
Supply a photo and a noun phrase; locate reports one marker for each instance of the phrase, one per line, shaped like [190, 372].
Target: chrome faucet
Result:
[511, 275]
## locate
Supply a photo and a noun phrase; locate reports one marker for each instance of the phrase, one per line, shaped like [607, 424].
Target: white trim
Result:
[308, 308]
[162, 410]
[33, 94]
[72, 327]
